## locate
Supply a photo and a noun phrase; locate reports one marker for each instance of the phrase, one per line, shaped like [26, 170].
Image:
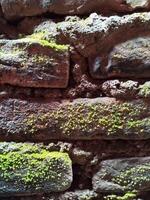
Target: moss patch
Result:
[40, 38]
[144, 90]
[82, 118]
[127, 196]
[32, 166]
[134, 178]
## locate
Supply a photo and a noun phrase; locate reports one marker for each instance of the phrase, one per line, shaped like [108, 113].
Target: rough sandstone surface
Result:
[121, 175]
[74, 75]
[100, 118]
[43, 59]
[19, 8]
[98, 35]
[129, 59]
[29, 168]
[33, 62]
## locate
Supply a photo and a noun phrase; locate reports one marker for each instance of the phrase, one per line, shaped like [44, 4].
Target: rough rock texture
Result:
[97, 34]
[122, 175]
[93, 37]
[28, 168]
[34, 62]
[138, 3]
[74, 99]
[129, 59]
[13, 9]
[101, 118]
[122, 89]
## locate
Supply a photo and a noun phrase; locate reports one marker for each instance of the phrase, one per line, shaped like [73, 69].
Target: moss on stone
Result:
[41, 59]
[40, 38]
[127, 196]
[31, 165]
[144, 90]
[134, 177]
[110, 119]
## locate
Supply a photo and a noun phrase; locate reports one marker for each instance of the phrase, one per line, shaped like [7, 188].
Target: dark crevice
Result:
[80, 179]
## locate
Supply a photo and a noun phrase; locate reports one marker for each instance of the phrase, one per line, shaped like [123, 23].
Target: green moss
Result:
[86, 197]
[41, 59]
[40, 38]
[134, 178]
[81, 118]
[31, 124]
[53, 45]
[31, 166]
[144, 90]
[127, 196]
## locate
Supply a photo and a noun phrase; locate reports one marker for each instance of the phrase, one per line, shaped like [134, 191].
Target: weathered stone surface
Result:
[31, 23]
[34, 62]
[49, 57]
[130, 59]
[100, 118]
[126, 196]
[13, 9]
[76, 195]
[121, 89]
[144, 90]
[100, 150]
[122, 175]
[138, 3]
[97, 35]
[28, 169]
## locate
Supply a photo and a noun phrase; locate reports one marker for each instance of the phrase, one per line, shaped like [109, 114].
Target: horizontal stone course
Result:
[27, 168]
[84, 119]
[123, 175]
[74, 99]
[34, 62]
[97, 35]
[44, 59]
[13, 9]
[115, 46]
[127, 60]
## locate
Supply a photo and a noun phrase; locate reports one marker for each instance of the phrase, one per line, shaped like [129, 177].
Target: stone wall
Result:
[75, 100]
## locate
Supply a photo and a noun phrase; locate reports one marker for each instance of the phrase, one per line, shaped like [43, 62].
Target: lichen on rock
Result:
[74, 99]
[93, 120]
[122, 175]
[34, 62]
[27, 168]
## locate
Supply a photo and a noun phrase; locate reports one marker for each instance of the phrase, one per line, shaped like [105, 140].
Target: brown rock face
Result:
[97, 35]
[129, 59]
[82, 119]
[121, 175]
[33, 62]
[17, 8]
[74, 99]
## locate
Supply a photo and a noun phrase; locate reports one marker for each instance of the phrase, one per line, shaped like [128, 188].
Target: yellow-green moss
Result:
[127, 196]
[31, 166]
[41, 59]
[110, 119]
[144, 90]
[133, 178]
[40, 38]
